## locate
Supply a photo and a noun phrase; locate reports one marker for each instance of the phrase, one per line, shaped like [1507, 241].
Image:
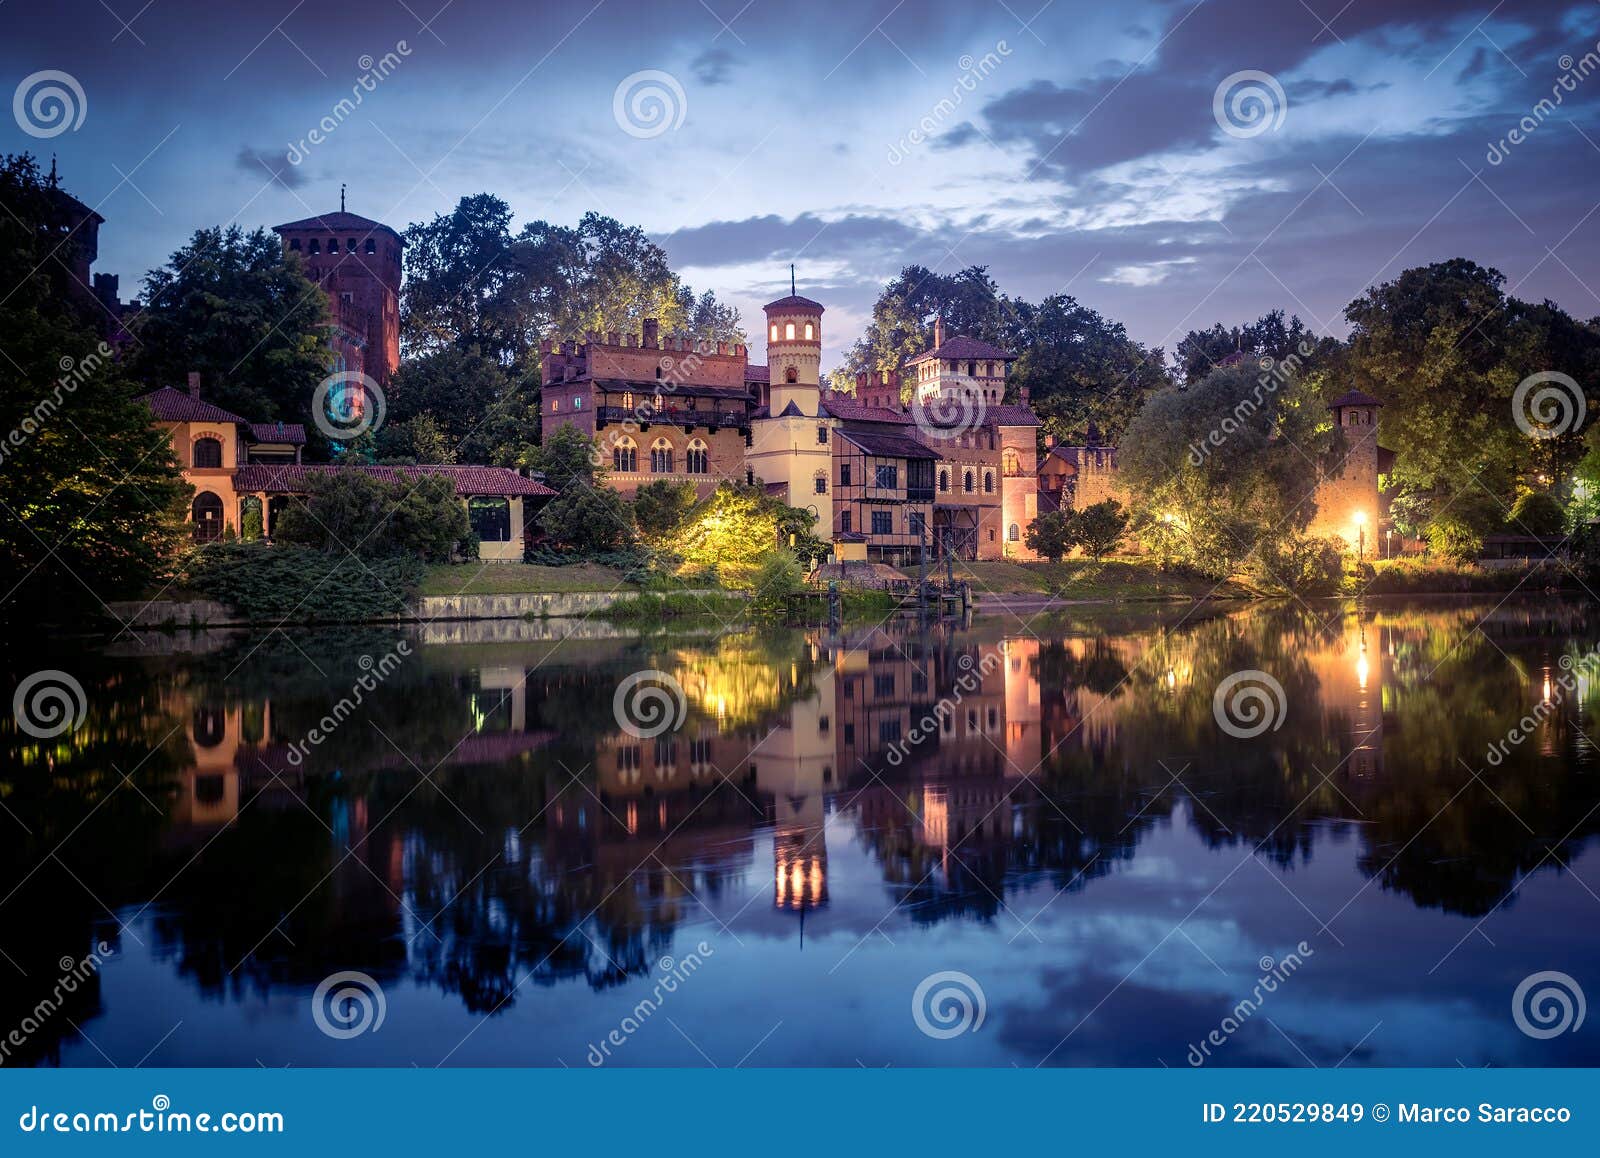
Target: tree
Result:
[588, 517]
[91, 501]
[660, 507]
[232, 306]
[1098, 528]
[476, 410]
[1082, 370]
[1537, 513]
[1269, 336]
[733, 530]
[1050, 535]
[354, 511]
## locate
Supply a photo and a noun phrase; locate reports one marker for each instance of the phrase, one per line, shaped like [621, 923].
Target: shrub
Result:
[777, 579]
[1297, 565]
[279, 582]
[1050, 535]
[1099, 528]
[351, 510]
[1537, 513]
[1454, 539]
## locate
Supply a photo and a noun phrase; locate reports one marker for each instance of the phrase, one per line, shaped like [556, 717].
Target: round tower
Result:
[794, 353]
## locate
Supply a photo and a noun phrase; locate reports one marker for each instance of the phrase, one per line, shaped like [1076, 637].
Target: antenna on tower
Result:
[341, 197]
[791, 279]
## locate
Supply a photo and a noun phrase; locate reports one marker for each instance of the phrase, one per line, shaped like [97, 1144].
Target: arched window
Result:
[788, 331]
[772, 335]
[207, 452]
[625, 455]
[294, 244]
[791, 375]
[350, 245]
[316, 246]
[661, 457]
[966, 482]
[810, 331]
[490, 516]
[944, 482]
[1011, 462]
[696, 458]
[333, 245]
[372, 246]
[627, 399]
[1013, 532]
[207, 513]
[988, 482]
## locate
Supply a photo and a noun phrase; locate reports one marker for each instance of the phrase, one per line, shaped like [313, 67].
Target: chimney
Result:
[194, 383]
[1022, 392]
[652, 332]
[938, 331]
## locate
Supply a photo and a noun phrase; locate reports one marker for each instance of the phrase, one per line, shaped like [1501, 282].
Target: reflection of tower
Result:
[1024, 742]
[795, 767]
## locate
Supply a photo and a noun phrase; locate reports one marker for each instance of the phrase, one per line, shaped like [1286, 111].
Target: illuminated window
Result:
[788, 331]
[810, 332]
[773, 336]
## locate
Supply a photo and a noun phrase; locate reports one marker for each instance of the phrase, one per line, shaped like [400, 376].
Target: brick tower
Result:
[356, 261]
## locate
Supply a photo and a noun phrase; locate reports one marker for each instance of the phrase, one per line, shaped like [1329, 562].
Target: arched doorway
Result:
[207, 514]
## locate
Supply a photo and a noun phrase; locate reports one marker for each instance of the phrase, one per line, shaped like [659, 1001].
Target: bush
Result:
[1050, 535]
[777, 579]
[1297, 565]
[1537, 513]
[1454, 539]
[1099, 528]
[1429, 577]
[351, 510]
[277, 582]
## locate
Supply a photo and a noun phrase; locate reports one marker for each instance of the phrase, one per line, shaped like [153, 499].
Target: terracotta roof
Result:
[172, 405]
[794, 302]
[754, 373]
[290, 432]
[849, 411]
[1010, 414]
[469, 480]
[338, 223]
[960, 347]
[1354, 398]
[889, 445]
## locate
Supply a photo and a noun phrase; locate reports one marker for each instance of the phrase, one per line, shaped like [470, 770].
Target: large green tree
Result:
[1272, 335]
[457, 404]
[91, 502]
[233, 306]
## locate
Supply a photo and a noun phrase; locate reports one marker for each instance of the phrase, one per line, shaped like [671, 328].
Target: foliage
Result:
[1099, 527]
[237, 309]
[1050, 535]
[1269, 336]
[1454, 537]
[1225, 465]
[472, 283]
[1537, 513]
[91, 501]
[250, 524]
[353, 511]
[588, 521]
[661, 506]
[777, 580]
[1415, 576]
[1297, 565]
[732, 532]
[267, 582]
[456, 404]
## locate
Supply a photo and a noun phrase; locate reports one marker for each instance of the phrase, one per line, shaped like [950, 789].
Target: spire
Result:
[792, 292]
[341, 197]
[54, 180]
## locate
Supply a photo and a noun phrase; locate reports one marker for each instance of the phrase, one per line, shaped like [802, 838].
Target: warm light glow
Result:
[788, 331]
[1361, 670]
[809, 332]
[774, 333]
[1361, 518]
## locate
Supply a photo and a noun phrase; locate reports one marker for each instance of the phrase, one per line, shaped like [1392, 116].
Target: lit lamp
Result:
[1361, 534]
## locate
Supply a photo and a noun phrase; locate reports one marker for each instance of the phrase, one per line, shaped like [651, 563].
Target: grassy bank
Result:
[520, 579]
[1086, 579]
[1440, 577]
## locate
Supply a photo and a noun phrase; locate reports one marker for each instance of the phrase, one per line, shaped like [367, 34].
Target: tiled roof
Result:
[336, 223]
[848, 411]
[1010, 414]
[889, 445]
[469, 480]
[1354, 398]
[960, 347]
[172, 405]
[794, 302]
[754, 373]
[290, 432]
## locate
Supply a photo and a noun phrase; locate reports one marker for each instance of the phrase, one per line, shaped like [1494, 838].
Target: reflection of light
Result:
[1172, 679]
[1361, 671]
[1547, 685]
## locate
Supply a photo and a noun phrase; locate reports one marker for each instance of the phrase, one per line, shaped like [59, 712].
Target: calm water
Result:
[771, 882]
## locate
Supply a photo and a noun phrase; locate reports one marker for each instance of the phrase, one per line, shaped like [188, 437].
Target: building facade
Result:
[357, 262]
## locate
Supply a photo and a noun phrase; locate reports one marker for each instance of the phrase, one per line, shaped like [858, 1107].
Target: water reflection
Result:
[1057, 809]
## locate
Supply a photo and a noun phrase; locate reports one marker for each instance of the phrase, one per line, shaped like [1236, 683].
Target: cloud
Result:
[270, 162]
[714, 66]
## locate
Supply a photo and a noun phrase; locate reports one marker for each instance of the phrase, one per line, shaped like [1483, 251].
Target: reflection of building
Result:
[1350, 673]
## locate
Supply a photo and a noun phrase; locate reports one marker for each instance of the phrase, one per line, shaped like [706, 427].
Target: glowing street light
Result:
[1361, 534]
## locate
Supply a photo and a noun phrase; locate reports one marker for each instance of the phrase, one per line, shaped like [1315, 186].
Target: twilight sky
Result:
[1071, 147]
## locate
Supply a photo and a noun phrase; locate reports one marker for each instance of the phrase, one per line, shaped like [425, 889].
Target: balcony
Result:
[687, 420]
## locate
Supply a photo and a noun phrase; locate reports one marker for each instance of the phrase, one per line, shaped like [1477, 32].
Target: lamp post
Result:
[1361, 535]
